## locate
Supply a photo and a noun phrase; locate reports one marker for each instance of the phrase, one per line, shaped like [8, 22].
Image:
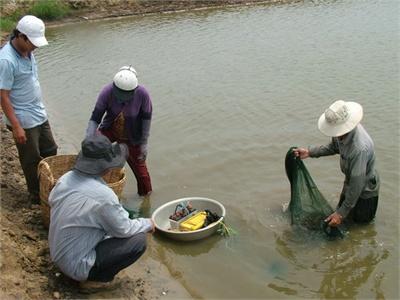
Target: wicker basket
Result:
[52, 168]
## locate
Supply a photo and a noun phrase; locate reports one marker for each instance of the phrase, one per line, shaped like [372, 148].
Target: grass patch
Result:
[49, 9]
[43, 9]
[8, 23]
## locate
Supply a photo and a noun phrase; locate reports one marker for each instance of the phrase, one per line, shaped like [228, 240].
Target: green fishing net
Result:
[307, 206]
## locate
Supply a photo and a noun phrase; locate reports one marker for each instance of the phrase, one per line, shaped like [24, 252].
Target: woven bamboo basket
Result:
[51, 168]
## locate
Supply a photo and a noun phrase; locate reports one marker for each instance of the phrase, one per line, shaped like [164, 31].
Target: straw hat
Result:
[340, 118]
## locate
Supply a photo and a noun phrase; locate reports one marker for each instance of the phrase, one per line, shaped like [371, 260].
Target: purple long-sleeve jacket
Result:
[137, 113]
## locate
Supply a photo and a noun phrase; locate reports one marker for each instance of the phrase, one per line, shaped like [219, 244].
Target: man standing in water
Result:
[359, 197]
[128, 109]
[21, 99]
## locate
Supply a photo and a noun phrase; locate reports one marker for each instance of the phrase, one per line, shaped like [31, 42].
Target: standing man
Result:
[127, 110]
[21, 99]
[359, 197]
[91, 237]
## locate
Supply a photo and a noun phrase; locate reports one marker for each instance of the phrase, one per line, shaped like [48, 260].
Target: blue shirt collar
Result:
[15, 49]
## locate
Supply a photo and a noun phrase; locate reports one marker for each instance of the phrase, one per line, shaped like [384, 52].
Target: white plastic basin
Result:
[161, 218]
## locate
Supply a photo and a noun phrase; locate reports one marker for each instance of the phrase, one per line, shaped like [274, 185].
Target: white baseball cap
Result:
[33, 28]
[125, 82]
[340, 118]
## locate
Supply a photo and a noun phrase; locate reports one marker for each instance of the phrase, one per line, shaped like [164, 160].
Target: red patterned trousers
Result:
[138, 166]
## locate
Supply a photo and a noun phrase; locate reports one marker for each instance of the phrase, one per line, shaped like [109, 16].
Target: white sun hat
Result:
[340, 118]
[33, 28]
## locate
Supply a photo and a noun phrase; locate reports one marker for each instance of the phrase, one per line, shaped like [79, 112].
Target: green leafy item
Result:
[225, 230]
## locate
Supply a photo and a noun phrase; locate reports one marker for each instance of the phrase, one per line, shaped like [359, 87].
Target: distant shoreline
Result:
[134, 8]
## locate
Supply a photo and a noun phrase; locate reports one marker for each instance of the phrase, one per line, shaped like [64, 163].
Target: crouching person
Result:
[91, 237]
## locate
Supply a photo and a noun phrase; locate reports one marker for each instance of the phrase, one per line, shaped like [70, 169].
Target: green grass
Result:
[49, 9]
[8, 23]
[43, 9]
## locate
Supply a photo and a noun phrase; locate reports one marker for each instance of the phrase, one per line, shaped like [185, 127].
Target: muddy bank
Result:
[100, 9]
[26, 271]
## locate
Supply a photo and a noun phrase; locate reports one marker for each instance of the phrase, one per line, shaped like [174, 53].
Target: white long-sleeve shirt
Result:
[84, 210]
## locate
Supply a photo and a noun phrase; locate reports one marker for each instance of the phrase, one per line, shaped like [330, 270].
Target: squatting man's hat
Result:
[33, 28]
[340, 118]
[125, 83]
[98, 155]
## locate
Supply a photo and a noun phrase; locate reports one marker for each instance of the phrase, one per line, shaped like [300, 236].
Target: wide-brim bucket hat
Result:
[340, 118]
[98, 155]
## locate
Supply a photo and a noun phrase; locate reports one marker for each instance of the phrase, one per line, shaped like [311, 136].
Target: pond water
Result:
[232, 90]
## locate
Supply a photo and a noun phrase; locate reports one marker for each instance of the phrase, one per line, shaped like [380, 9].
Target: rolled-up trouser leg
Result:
[115, 254]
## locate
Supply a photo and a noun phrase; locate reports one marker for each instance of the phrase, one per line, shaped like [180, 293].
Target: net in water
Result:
[308, 207]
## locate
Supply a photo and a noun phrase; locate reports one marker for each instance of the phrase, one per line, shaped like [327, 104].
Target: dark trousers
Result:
[137, 166]
[39, 144]
[115, 254]
[364, 211]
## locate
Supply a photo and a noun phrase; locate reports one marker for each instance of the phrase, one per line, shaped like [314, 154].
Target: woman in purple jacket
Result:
[123, 113]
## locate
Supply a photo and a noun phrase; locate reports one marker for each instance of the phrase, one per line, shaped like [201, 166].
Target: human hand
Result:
[334, 219]
[153, 226]
[301, 152]
[19, 135]
[92, 128]
[143, 152]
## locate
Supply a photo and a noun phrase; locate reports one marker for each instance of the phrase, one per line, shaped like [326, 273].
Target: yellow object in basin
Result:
[193, 223]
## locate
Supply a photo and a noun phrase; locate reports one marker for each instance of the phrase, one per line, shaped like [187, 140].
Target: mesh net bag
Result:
[307, 206]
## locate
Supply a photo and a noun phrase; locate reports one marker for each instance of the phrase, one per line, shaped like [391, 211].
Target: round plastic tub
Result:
[161, 218]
